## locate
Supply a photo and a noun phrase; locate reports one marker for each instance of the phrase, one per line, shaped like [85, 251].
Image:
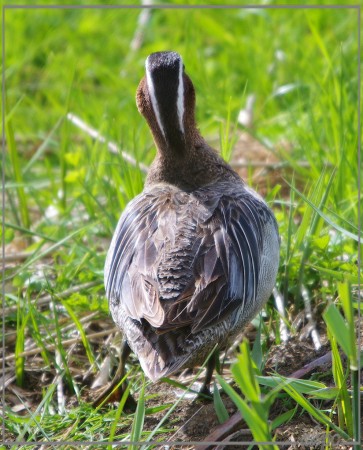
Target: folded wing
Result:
[180, 260]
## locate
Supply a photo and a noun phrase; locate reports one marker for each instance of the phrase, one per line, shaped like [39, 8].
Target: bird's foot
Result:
[205, 393]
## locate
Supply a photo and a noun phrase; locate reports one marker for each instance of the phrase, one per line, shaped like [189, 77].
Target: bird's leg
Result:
[211, 365]
[113, 393]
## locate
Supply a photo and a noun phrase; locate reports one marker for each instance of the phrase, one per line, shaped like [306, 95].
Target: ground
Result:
[192, 420]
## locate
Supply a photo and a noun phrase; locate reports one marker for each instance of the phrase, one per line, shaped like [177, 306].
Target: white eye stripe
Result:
[154, 102]
[180, 100]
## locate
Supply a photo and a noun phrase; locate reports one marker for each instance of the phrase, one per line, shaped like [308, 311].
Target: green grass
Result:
[65, 191]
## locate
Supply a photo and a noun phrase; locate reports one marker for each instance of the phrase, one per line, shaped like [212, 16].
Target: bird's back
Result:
[187, 269]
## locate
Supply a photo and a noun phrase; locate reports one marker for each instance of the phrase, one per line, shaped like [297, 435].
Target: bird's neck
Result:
[200, 166]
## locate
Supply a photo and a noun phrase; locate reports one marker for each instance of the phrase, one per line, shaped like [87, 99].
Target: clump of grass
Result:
[254, 407]
[343, 332]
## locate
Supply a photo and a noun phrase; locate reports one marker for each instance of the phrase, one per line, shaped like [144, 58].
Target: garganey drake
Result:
[194, 257]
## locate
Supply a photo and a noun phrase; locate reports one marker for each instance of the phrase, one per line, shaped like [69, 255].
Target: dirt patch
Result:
[194, 420]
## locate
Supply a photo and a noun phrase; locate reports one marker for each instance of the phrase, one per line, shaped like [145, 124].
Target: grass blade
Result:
[315, 412]
[120, 408]
[256, 424]
[283, 418]
[44, 145]
[138, 423]
[343, 400]
[344, 291]
[219, 407]
[16, 166]
[79, 326]
[338, 328]
[326, 218]
[22, 320]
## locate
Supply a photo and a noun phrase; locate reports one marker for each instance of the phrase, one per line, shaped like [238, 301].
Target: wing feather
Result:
[180, 259]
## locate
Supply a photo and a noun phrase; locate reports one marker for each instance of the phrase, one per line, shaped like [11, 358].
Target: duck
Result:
[195, 256]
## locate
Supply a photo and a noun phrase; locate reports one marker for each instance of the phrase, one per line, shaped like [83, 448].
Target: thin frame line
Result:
[3, 217]
[169, 443]
[359, 224]
[297, 7]
[160, 6]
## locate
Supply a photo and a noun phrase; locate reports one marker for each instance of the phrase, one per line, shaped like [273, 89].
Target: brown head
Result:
[166, 98]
